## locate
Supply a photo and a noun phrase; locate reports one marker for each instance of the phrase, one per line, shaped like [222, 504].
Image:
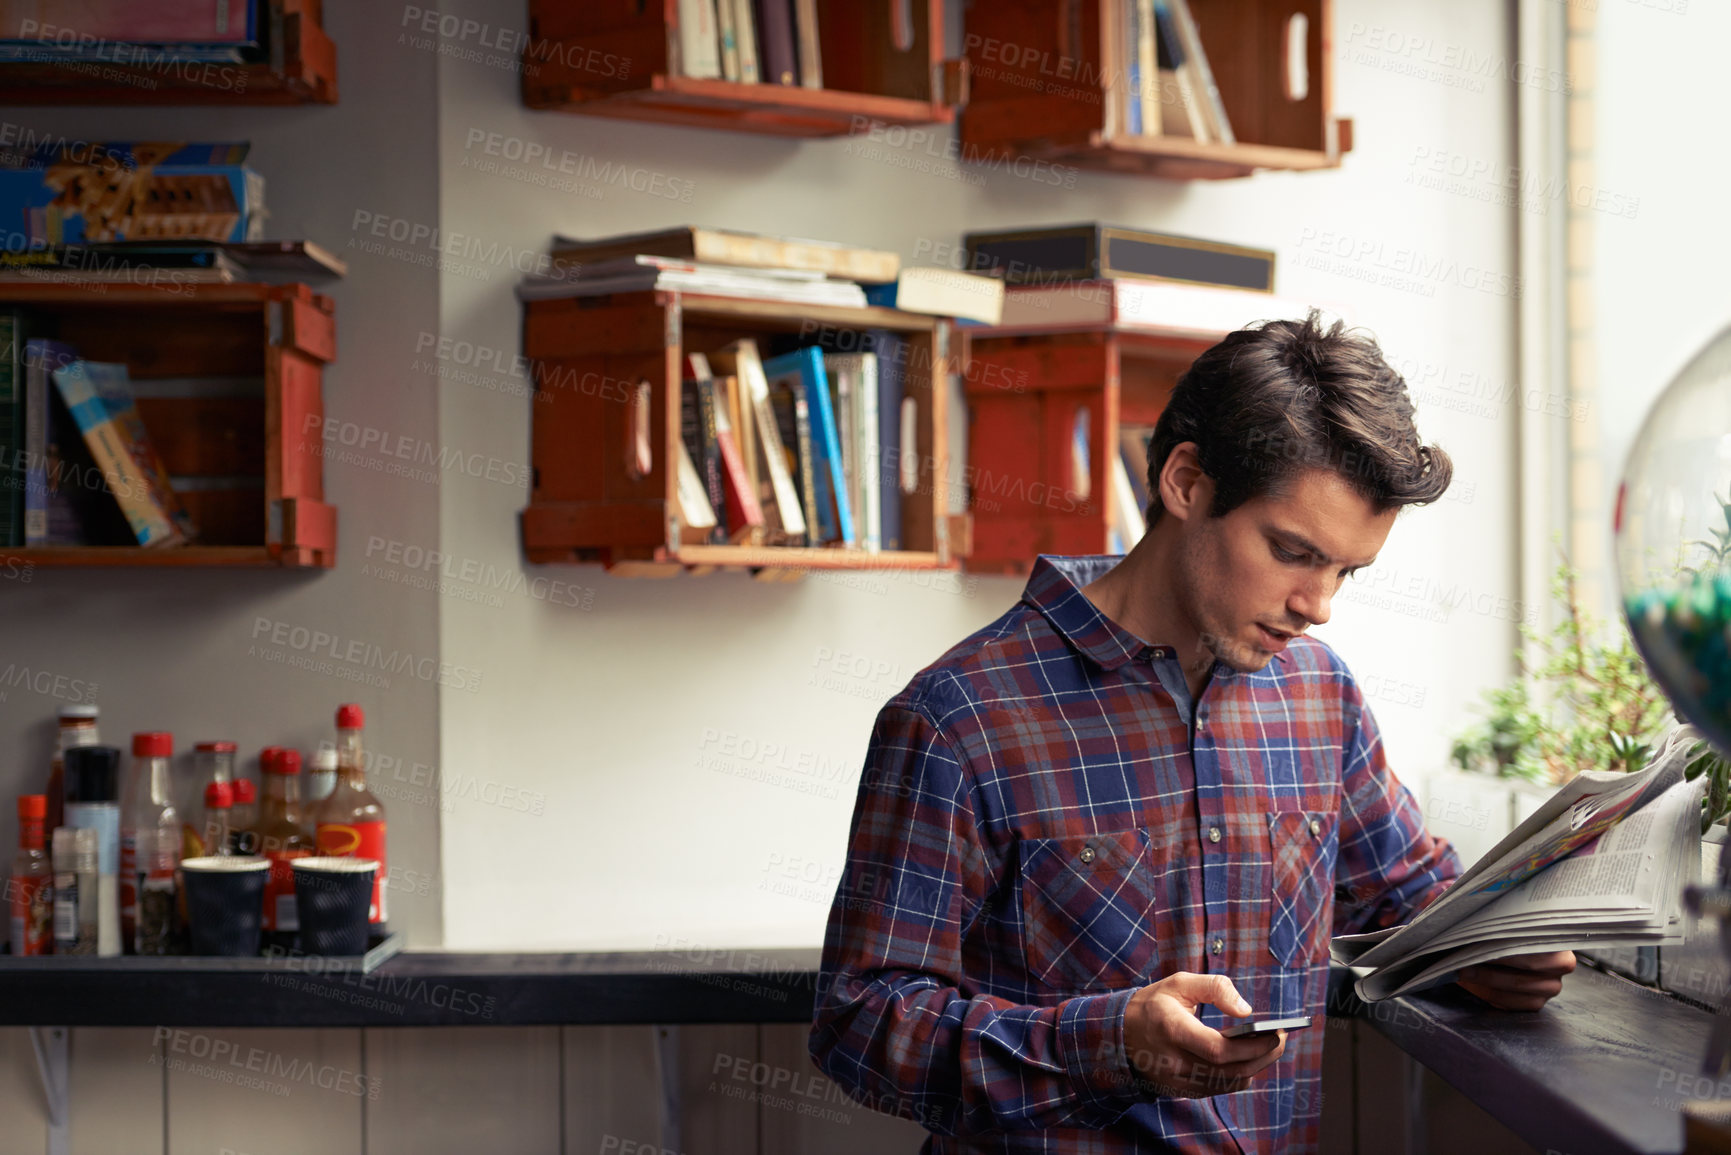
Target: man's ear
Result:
[1184, 488]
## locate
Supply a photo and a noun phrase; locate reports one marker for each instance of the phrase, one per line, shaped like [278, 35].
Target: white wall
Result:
[612, 710]
[1661, 291]
[175, 649]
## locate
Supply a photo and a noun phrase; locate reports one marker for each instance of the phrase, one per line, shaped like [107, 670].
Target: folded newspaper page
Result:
[1602, 863]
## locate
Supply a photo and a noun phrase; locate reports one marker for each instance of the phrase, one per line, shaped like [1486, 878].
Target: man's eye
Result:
[1287, 555]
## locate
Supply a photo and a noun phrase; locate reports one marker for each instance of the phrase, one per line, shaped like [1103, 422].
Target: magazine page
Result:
[1580, 811]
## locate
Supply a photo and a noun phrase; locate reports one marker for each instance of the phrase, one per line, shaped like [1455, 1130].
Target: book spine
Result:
[775, 30]
[807, 465]
[745, 30]
[892, 364]
[37, 365]
[699, 49]
[870, 465]
[727, 32]
[810, 46]
[709, 455]
[131, 491]
[744, 513]
[11, 431]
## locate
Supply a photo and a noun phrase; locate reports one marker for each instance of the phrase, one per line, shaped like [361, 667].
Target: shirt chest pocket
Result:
[1086, 906]
[1301, 850]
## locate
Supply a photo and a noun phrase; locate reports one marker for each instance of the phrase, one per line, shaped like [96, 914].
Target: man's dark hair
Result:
[1269, 402]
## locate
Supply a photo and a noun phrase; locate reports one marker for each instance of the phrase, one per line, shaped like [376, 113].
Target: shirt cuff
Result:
[1091, 1046]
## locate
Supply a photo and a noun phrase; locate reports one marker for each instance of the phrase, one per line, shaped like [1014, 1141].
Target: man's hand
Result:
[1172, 1048]
[1522, 982]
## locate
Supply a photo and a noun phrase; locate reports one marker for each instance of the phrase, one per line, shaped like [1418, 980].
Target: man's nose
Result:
[1312, 601]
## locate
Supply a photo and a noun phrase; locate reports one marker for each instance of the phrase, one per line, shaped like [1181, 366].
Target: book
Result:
[1134, 122]
[1180, 108]
[232, 23]
[694, 507]
[744, 514]
[745, 32]
[697, 431]
[12, 470]
[643, 273]
[743, 360]
[727, 34]
[41, 453]
[834, 514]
[1096, 251]
[120, 263]
[1125, 514]
[892, 354]
[98, 395]
[297, 260]
[1190, 310]
[1201, 75]
[732, 247]
[775, 32]
[699, 46]
[810, 46]
[855, 376]
[1114, 109]
[1145, 89]
[942, 293]
[793, 416]
[1601, 863]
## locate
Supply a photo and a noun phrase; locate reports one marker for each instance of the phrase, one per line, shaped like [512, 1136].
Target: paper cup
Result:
[224, 903]
[331, 900]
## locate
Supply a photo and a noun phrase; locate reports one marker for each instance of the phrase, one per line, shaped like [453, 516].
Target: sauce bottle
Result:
[351, 822]
[32, 888]
[218, 802]
[283, 836]
[77, 728]
[145, 809]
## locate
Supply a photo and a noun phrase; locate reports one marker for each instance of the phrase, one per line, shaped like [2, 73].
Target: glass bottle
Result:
[284, 835]
[75, 917]
[212, 761]
[32, 889]
[243, 819]
[321, 775]
[145, 808]
[351, 822]
[77, 728]
[157, 926]
[218, 802]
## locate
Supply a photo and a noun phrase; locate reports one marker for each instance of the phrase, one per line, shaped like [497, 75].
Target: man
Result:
[1136, 807]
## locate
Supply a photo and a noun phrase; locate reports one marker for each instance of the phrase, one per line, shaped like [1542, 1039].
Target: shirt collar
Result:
[1055, 589]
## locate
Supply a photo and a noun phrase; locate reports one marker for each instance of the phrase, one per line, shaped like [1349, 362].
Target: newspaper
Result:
[1602, 863]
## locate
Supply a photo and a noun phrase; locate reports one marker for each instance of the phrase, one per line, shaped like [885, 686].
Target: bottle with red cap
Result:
[351, 822]
[243, 819]
[145, 809]
[283, 836]
[218, 802]
[212, 761]
[32, 880]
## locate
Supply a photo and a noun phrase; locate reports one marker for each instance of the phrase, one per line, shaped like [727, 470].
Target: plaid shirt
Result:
[1040, 830]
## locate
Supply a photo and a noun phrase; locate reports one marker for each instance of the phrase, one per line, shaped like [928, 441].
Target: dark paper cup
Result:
[224, 903]
[331, 900]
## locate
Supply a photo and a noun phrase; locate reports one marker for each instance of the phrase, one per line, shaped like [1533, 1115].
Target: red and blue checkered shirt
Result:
[1041, 829]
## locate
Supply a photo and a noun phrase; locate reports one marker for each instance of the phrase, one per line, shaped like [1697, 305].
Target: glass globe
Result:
[1673, 526]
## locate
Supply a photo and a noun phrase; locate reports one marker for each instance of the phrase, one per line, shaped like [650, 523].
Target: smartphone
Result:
[1251, 1028]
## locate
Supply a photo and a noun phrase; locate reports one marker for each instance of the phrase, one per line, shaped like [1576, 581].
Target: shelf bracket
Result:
[53, 1052]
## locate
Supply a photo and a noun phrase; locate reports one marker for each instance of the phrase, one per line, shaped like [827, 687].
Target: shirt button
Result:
[1214, 834]
[1087, 854]
[1315, 828]
[1218, 945]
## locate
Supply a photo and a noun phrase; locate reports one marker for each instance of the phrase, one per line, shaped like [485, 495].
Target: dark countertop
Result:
[1597, 1070]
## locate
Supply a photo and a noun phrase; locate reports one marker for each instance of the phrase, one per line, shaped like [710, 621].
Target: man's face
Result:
[1251, 580]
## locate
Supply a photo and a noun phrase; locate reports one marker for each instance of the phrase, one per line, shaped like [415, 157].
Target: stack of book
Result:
[750, 41]
[799, 449]
[76, 464]
[726, 263]
[171, 262]
[1167, 87]
[133, 32]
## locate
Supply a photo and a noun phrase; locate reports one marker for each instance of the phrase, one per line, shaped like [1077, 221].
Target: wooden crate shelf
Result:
[1020, 442]
[237, 418]
[302, 70]
[619, 58]
[1017, 107]
[591, 354]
